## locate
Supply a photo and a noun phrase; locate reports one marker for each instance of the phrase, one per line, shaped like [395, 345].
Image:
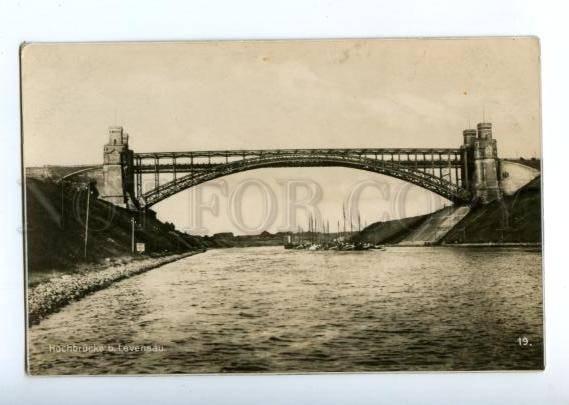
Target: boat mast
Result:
[344, 217]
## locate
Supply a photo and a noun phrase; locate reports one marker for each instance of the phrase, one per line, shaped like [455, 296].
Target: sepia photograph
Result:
[282, 206]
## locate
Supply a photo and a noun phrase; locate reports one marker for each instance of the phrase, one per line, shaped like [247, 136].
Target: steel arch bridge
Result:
[440, 170]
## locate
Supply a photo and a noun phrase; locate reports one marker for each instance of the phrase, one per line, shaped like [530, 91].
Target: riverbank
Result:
[58, 240]
[528, 245]
[48, 297]
[513, 219]
[494, 244]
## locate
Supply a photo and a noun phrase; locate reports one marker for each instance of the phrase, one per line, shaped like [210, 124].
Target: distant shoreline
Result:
[495, 244]
[477, 245]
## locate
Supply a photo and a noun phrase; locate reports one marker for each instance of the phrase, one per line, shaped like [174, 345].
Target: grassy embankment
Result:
[389, 232]
[515, 219]
[55, 232]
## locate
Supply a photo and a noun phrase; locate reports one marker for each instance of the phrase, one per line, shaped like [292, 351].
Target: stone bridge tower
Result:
[118, 176]
[481, 170]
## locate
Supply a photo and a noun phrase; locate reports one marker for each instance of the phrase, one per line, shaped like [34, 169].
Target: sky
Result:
[182, 96]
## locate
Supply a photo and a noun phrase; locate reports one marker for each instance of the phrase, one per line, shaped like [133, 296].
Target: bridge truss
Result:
[159, 175]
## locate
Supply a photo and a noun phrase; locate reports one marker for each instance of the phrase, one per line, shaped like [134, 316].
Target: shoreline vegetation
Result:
[50, 296]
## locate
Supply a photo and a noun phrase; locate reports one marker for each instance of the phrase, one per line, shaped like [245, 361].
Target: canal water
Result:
[274, 310]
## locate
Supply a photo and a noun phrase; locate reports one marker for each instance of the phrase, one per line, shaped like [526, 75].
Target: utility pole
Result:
[132, 234]
[61, 220]
[87, 220]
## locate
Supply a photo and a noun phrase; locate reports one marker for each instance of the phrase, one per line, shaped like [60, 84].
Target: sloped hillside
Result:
[390, 231]
[516, 218]
[55, 228]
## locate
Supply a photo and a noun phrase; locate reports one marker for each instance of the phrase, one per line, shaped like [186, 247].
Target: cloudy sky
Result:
[280, 94]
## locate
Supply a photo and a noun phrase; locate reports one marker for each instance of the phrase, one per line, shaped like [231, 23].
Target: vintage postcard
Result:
[290, 206]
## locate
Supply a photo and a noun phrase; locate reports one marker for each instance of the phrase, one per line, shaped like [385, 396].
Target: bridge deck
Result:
[195, 167]
[304, 152]
[180, 162]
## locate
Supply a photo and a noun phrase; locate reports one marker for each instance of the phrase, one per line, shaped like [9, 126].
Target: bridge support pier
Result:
[118, 174]
[481, 164]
